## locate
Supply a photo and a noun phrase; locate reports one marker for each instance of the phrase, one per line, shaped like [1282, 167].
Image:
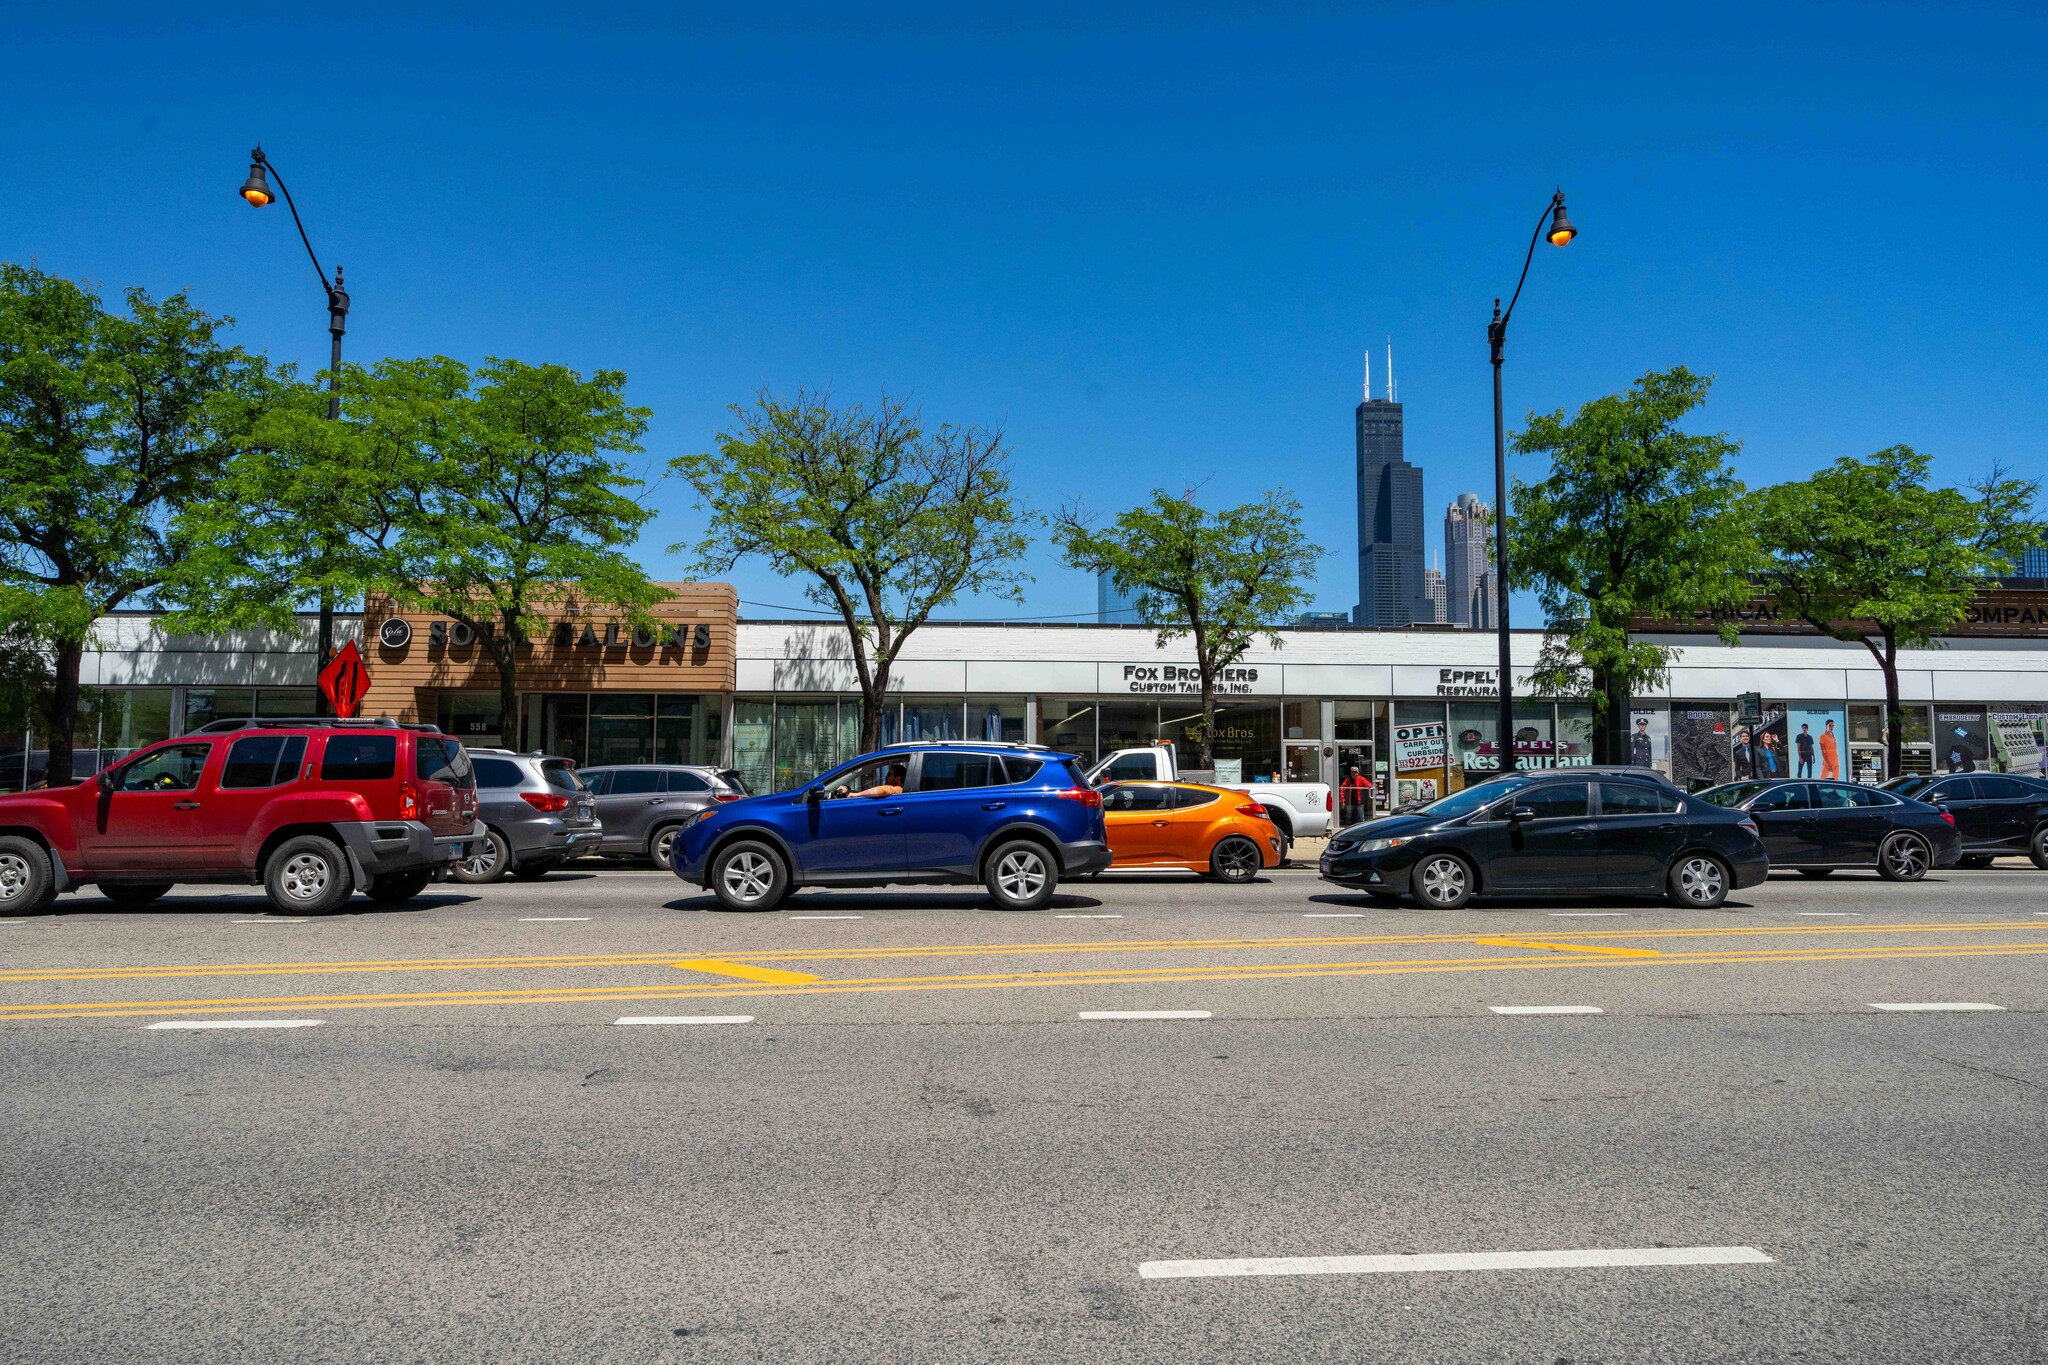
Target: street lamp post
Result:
[256, 190]
[1559, 233]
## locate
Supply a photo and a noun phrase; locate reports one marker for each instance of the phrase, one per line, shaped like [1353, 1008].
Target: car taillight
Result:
[1329, 800]
[408, 801]
[1256, 811]
[1946, 816]
[1750, 825]
[546, 801]
[1087, 796]
[725, 796]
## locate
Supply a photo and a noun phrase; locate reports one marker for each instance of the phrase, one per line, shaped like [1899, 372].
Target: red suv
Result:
[311, 809]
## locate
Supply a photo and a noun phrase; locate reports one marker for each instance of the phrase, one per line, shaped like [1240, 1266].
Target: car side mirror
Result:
[106, 779]
[1522, 813]
[813, 795]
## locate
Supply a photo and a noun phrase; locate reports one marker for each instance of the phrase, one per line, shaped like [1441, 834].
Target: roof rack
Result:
[312, 723]
[964, 744]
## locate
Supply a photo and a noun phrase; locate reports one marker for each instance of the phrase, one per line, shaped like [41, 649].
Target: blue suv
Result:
[1014, 817]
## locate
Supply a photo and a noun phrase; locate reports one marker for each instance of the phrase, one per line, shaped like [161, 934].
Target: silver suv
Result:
[642, 805]
[535, 814]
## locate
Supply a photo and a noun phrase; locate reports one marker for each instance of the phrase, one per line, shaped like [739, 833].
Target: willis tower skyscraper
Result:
[1390, 587]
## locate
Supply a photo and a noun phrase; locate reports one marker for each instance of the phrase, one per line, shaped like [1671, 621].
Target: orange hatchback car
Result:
[1218, 833]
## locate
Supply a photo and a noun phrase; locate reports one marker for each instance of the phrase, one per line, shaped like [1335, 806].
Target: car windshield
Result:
[1734, 794]
[1907, 785]
[1472, 798]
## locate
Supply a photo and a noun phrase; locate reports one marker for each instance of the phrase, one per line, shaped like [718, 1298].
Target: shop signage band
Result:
[1183, 679]
[395, 634]
[2014, 613]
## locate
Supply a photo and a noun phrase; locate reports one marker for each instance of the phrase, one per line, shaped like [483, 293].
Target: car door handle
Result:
[892, 810]
[1667, 829]
[656, 800]
[1161, 823]
[184, 805]
[993, 805]
[1582, 834]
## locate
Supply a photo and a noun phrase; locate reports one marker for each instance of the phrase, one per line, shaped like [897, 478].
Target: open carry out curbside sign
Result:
[346, 680]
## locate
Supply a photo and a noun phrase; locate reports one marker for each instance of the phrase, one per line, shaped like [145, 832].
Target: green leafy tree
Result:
[1224, 579]
[1867, 551]
[109, 423]
[1637, 518]
[887, 519]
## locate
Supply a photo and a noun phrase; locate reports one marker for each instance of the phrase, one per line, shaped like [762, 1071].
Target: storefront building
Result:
[1413, 710]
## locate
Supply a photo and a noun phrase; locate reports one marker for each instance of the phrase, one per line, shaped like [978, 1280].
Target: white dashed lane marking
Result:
[686, 1019]
[1937, 1007]
[233, 1023]
[1452, 1261]
[1145, 1014]
[555, 919]
[1545, 1009]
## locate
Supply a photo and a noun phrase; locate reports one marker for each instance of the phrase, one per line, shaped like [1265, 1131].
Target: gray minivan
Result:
[535, 812]
[642, 805]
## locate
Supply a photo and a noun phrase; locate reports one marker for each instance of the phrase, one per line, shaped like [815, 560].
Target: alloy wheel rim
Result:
[1237, 860]
[1443, 880]
[480, 863]
[664, 847]
[305, 876]
[1020, 875]
[14, 876]
[1904, 856]
[1700, 879]
[748, 876]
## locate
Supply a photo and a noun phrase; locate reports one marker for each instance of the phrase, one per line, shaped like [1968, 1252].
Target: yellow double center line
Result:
[759, 981]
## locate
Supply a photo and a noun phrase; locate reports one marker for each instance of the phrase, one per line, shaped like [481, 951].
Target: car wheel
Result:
[1442, 881]
[395, 888]
[1814, 871]
[27, 882]
[2037, 848]
[307, 876]
[1903, 858]
[488, 860]
[1234, 860]
[134, 895]
[749, 876]
[1974, 860]
[1699, 881]
[662, 844]
[1020, 875]
[535, 870]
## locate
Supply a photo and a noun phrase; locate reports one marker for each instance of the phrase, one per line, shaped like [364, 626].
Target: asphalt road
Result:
[918, 1150]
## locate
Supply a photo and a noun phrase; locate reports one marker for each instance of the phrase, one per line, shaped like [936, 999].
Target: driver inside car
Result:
[890, 785]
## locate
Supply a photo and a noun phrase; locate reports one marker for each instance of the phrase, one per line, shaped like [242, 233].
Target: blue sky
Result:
[1150, 243]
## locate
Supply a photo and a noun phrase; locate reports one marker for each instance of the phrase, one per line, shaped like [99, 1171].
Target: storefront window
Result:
[556, 724]
[999, 719]
[1069, 725]
[2019, 738]
[472, 717]
[1131, 725]
[1246, 739]
[808, 740]
[621, 728]
[931, 720]
[1701, 736]
[1474, 736]
[1915, 730]
[290, 701]
[1575, 735]
[686, 730]
[1866, 725]
[1421, 742]
[1355, 719]
[1535, 735]
[753, 722]
[1960, 744]
[1302, 719]
[205, 705]
[112, 723]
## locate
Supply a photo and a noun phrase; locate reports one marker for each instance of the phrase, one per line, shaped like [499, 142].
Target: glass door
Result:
[1357, 797]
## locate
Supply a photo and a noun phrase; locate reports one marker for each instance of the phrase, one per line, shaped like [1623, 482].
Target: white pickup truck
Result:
[1301, 810]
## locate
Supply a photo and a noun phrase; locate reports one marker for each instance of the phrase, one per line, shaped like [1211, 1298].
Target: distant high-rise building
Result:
[1323, 620]
[1390, 591]
[2033, 563]
[1468, 555]
[1486, 605]
[1111, 606]
[1433, 589]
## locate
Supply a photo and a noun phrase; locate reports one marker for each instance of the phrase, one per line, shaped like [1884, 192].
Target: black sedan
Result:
[1816, 827]
[1556, 833]
[1996, 813]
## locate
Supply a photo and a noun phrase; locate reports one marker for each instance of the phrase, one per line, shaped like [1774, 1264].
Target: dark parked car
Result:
[535, 814]
[1556, 833]
[642, 805]
[1817, 827]
[1996, 813]
[1015, 818]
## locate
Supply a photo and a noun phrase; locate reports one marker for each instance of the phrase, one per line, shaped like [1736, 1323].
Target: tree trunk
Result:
[508, 690]
[1610, 727]
[1209, 728]
[64, 712]
[1894, 714]
[874, 696]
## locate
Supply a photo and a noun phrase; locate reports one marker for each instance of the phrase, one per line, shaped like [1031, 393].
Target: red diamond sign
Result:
[345, 680]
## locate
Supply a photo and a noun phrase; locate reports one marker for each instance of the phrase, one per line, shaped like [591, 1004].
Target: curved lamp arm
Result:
[333, 287]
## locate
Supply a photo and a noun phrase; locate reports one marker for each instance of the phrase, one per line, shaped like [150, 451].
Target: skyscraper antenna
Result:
[1368, 374]
[1393, 395]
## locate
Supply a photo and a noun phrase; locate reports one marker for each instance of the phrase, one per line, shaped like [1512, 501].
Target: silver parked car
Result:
[535, 814]
[642, 805]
